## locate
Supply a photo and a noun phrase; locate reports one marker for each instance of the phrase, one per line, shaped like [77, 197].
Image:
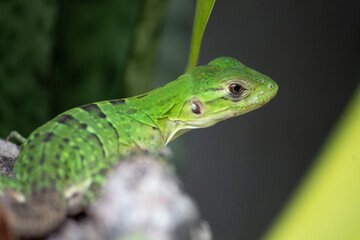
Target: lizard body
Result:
[63, 162]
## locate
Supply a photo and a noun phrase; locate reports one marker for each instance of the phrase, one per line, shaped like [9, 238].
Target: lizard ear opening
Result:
[197, 107]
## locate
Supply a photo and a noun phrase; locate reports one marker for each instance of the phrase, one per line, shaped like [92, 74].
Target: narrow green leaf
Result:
[202, 14]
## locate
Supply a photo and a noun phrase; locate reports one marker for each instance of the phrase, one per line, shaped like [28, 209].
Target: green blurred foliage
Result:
[26, 42]
[141, 65]
[55, 55]
[93, 43]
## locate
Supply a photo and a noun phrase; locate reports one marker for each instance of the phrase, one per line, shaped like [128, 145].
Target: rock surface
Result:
[142, 199]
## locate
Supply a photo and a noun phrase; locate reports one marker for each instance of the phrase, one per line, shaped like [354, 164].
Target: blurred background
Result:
[55, 55]
[243, 170]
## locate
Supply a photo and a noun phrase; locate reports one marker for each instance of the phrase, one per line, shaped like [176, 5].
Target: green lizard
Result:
[62, 163]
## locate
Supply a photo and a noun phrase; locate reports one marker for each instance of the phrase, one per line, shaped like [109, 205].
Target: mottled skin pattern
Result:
[63, 162]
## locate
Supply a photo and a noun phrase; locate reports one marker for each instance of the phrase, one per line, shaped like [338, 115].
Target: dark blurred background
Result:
[59, 54]
[243, 170]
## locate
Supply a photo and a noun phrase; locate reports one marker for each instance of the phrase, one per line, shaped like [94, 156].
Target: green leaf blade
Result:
[202, 14]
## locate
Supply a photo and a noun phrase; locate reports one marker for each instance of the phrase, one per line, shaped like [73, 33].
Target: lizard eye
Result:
[197, 107]
[236, 89]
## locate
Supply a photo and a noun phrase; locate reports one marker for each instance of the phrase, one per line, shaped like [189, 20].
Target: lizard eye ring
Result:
[236, 89]
[197, 107]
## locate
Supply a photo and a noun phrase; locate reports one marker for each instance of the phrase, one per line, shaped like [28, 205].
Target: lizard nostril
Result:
[271, 86]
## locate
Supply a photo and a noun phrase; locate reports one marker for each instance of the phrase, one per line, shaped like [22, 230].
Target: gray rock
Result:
[141, 200]
[8, 154]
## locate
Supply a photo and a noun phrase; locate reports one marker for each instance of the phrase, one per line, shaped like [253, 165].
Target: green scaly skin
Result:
[63, 162]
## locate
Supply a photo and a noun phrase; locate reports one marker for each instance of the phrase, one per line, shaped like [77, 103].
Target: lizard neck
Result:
[162, 106]
[171, 129]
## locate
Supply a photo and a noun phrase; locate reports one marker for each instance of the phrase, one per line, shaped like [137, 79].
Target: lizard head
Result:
[222, 89]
